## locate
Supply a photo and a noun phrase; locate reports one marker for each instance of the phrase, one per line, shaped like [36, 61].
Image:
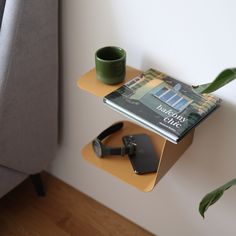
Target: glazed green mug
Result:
[110, 64]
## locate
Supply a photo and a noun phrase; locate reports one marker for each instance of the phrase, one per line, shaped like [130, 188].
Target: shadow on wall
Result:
[210, 161]
[216, 143]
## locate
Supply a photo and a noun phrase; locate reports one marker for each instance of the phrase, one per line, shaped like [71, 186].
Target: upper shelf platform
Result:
[89, 82]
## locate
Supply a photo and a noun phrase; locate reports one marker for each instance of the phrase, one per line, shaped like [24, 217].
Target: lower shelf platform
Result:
[121, 167]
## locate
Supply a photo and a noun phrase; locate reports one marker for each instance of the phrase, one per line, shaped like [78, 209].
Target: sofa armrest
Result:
[28, 84]
[2, 5]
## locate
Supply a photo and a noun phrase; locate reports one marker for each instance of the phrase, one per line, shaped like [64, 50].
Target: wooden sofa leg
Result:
[38, 184]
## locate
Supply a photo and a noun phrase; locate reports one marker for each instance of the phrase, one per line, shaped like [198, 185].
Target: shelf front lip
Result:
[89, 83]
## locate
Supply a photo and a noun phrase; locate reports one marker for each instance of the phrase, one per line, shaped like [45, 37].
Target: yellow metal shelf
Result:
[121, 167]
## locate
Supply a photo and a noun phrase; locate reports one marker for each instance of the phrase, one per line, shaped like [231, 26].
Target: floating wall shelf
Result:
[121, 167]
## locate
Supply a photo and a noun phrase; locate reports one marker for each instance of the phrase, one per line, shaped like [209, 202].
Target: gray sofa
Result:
[28, 88]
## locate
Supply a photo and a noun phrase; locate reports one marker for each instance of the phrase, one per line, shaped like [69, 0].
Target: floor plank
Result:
[63, 212]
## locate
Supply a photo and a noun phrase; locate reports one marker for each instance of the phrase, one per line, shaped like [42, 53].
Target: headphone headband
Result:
[110, 130]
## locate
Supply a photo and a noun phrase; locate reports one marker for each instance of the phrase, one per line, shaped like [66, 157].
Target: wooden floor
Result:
[63, 212]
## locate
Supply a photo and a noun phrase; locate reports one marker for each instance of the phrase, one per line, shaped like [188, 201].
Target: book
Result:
[163, 104]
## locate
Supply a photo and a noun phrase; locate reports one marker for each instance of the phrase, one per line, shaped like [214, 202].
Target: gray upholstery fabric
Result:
[2, 5]
[28, 84]
[9, 179]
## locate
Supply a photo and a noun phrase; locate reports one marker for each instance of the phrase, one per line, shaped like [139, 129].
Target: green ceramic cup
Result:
[110, 64]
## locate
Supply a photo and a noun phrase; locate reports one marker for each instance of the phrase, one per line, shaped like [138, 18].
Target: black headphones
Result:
[101, 150]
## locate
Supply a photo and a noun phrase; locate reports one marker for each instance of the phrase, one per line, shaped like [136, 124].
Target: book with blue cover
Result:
[163, 104]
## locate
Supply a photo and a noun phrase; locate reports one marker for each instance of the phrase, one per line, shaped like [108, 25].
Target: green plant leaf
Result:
[214, 196]
[221, 80]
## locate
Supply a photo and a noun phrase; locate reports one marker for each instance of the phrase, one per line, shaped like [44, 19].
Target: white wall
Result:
[190, 40]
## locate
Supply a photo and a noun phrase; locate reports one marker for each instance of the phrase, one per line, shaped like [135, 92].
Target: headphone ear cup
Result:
[97, 147]
[102, 150]
[106, 151]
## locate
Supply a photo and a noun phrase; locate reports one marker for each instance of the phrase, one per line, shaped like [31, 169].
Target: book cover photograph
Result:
[163, 104]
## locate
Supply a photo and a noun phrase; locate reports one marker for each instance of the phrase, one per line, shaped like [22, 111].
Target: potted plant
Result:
[221, 80]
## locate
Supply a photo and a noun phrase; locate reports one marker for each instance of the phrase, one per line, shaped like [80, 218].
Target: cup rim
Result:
[114, 47]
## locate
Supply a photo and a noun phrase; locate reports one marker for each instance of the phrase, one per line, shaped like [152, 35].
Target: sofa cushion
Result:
[2, 5]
